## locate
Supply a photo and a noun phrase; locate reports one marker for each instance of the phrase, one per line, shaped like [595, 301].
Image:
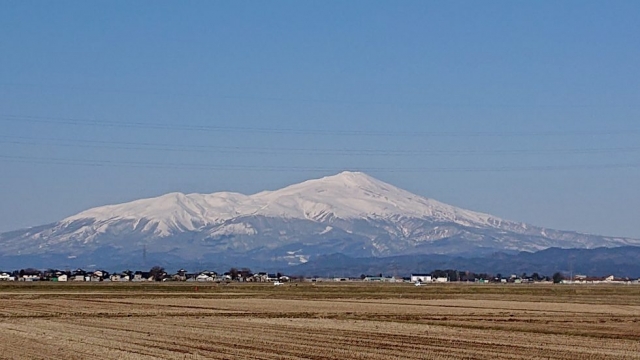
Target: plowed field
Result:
[323, 321]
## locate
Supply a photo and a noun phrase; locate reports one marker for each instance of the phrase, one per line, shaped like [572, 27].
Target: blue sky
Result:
[525, 110]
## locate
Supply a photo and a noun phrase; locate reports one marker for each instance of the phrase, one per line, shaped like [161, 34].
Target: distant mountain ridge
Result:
[349, 213]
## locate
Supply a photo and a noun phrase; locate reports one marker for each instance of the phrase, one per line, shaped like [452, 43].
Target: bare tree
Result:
[233, 272]
[558, 277]
[157, 272]
[245, 272]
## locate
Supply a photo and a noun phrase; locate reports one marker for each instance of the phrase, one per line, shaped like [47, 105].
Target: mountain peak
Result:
[350, 175]
[354, 179]
[356, 195]
[351, 178]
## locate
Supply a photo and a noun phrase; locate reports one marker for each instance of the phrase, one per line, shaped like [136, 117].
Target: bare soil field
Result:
[320, 321]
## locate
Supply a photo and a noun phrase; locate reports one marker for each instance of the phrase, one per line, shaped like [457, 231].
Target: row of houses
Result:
[584, 279]
[424, 278]
[64, 276]
[138, 276]
[421, 278]
[158, 274]
[183, 275]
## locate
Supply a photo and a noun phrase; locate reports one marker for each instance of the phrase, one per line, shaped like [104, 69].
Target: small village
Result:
[244, 275]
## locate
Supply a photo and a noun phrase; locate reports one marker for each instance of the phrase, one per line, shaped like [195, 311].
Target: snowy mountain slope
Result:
[350, 212]
[174, 212]
[353, 195]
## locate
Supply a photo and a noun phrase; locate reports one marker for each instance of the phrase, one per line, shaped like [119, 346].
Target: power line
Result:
[192, 166]
[120, 145]
[293, 131]
[298, 100]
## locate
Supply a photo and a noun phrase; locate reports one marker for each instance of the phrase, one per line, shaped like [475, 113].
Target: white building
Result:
[6, 277]
[421, 278]
[442, 280]
[204, 277]
[32, 277]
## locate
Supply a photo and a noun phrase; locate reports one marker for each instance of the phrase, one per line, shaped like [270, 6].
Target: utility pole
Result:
[144, 255]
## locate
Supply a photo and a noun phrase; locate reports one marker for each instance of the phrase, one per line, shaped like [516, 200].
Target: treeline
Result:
[456, 275]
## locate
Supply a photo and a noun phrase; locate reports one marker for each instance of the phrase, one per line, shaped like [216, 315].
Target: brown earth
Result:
[321, 321]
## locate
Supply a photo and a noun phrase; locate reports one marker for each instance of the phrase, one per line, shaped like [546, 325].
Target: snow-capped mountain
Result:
[350, 213]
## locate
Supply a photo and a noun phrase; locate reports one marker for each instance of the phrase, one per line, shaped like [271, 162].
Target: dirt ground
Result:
[320, 321]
